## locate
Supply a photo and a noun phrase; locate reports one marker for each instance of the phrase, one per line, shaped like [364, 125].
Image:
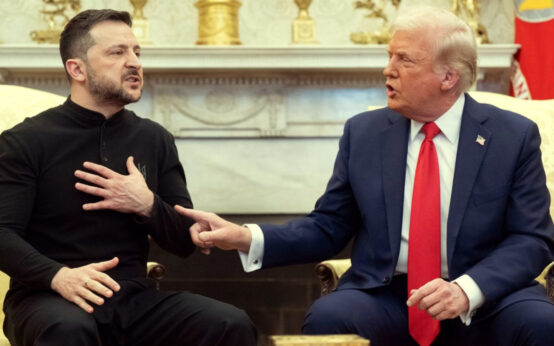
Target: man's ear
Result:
[76, 69]
[449, 80]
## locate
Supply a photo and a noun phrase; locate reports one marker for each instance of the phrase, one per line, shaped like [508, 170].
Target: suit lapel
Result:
[394, 140]
[472, 146]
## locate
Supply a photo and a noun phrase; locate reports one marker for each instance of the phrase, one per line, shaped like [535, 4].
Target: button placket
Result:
[103, 144]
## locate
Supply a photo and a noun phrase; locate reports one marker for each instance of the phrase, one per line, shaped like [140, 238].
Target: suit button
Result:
[385, 280]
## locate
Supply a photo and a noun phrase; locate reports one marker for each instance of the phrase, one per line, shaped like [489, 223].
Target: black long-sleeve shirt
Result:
[42, 224]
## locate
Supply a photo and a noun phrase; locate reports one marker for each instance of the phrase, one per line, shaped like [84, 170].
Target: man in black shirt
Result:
[82, 186]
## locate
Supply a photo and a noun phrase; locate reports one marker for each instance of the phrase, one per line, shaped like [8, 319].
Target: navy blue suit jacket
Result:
[499, 228]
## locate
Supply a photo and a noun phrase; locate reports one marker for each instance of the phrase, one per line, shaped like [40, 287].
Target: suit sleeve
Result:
[527, 244]
[326, 230]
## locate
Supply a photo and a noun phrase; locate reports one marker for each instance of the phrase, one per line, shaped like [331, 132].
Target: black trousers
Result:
[136, 315]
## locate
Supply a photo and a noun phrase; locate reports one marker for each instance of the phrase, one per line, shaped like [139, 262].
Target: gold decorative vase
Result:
[138, 5]
[303, 27]
[218, 22]
[141, 27]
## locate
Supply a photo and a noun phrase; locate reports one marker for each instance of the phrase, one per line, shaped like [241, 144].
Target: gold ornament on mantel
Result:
[303, 27]
[141, 27]
[381, 36]
[470, 11]
[54, 13]
[218, 22]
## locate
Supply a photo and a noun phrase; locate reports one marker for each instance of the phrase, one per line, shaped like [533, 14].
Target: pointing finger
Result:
[196, 215]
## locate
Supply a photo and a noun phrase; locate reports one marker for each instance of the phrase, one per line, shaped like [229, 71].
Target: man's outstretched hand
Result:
[211, 230]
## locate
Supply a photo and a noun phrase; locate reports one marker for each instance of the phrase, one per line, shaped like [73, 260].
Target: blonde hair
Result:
[453, 41]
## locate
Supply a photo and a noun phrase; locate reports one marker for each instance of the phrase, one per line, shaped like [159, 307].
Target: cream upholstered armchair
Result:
[542, 113]
[4, 284]
[17, 103]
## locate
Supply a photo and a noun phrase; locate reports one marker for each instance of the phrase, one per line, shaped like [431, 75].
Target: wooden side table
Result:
[318, 340]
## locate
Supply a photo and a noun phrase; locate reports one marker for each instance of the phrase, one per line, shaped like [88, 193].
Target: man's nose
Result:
[134, 61]
[390, 69]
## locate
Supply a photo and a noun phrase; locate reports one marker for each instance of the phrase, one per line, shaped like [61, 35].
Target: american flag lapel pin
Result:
[480, 140]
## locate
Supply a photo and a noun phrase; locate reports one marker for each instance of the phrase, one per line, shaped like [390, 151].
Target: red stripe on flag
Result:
[536, 56]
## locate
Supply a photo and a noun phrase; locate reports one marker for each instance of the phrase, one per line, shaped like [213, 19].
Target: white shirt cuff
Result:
[252, 260]
[474, 295]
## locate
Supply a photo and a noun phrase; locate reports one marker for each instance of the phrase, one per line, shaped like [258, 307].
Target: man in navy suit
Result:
[496, 234]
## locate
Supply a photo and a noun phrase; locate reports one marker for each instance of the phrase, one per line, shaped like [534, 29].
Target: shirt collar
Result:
[89, 117]
[449, 123]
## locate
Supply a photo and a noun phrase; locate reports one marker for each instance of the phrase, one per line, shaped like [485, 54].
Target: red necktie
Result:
[424, 247]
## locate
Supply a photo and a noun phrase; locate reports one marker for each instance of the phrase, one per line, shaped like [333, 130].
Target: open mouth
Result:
[390, 90]
[132, 79]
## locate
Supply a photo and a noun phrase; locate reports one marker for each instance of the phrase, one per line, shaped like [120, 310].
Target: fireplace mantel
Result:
[45, 58]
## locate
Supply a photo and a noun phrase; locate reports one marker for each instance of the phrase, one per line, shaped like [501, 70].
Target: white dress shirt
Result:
[446, 143]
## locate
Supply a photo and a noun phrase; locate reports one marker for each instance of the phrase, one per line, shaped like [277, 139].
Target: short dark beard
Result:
[106, 91]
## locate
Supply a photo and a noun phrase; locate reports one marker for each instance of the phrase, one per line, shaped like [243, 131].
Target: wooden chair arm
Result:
[550, 283]
[328, 272]
[546, 278]
[155, 271]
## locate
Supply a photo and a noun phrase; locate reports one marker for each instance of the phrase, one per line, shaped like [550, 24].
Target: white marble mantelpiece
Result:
[193, 58]
[257, 127]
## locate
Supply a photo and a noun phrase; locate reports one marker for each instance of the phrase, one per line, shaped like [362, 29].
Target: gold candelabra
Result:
[380, 36]
[218, 22]
[55, 14]
[470, 11]
[303, 27]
